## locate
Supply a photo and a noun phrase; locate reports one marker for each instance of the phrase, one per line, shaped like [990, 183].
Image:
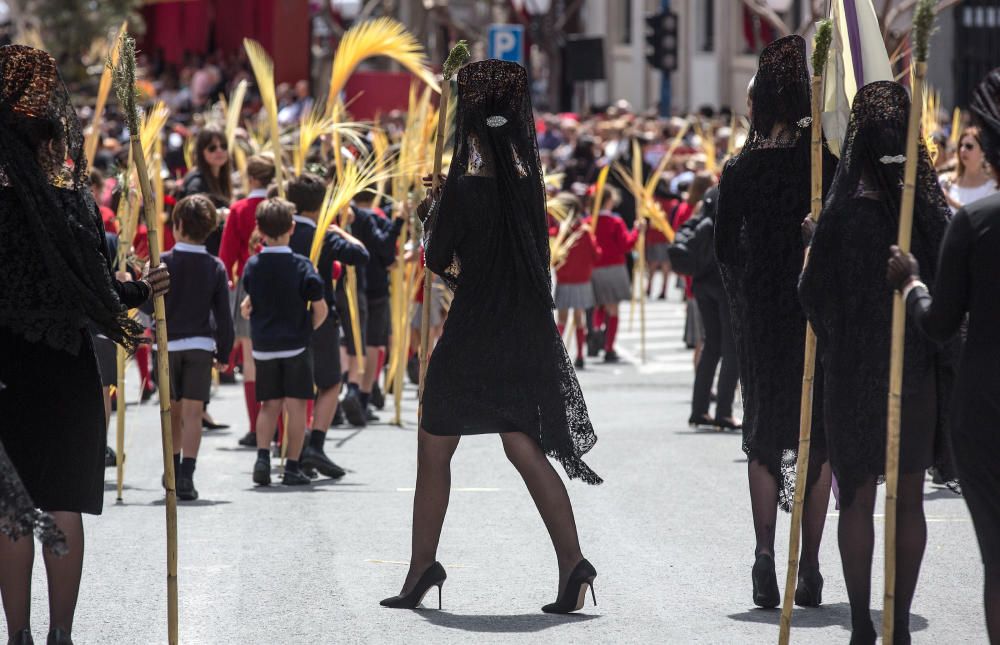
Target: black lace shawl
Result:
[985, 108]
[55, 279]
[845, 294]
[764, 195]
[500, 364]
[18, 516]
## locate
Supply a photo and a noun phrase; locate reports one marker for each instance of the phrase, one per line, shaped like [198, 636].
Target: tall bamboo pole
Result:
[820, 50]
[125, 79]
[458, 56]
[923, 23]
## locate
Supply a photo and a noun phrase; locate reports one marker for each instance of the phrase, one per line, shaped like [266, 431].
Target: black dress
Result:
[845, 293]
[763, 197]
[500, 365]
[966, 281]
[52, 420]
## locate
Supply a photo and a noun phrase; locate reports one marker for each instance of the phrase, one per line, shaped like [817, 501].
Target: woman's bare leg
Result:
[430, 501]
[550, 496]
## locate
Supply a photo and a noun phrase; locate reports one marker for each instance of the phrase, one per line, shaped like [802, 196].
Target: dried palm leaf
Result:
[234, 108]
[602, 179]
[103, 89]
[956, 126]
[379, 37]
[151, 126]
[263, 70]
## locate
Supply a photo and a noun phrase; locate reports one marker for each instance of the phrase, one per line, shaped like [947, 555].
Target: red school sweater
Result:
[614, 239]
[581, 259]
[235, 245]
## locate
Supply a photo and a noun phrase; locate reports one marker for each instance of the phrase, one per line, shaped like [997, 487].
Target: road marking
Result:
[406, 563]
[456, 490]
[881, 516]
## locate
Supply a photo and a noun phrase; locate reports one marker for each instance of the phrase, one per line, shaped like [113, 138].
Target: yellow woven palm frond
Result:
[234, 108]
[928, 120]
[263, 71]
[103, 89]
[554, 179]
[311, 127]
[558, 209]
[654, 177]
[383, 160]
[956, 126]
[602, 178]
[378, 37]
[152, 124]
[356, 177]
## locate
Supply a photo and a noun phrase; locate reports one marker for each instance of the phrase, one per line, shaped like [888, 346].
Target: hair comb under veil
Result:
[500, 362]
[780, 94]
[50, 237]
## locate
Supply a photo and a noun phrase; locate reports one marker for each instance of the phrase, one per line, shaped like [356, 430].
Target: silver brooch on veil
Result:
[897, 159]
[496, 121]
[804, 122]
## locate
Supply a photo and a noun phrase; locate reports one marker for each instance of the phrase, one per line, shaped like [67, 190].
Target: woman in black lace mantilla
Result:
[500, 366]
[57, 279]
[849, 303]
[763, 196]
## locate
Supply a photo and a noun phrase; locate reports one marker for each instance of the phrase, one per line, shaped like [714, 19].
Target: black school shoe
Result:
[378, 398]
[317, 460]
[595, 343]
[110, 458]
[185, 489]
[249, 440]
[413, 369]
[578, 363]
[295, 478]
[338, 417]
[262, 472]
[354, 411]
[611, 356]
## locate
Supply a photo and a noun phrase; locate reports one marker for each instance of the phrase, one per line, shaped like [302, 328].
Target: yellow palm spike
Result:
[234, 108]
[263, 70]
[956, 126]
[94, 136]
[378, 37]
[602, 179]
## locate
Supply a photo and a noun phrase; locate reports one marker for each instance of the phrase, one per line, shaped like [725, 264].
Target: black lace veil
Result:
[780, 95]
[985, 108]
[874, 158]
[495, 137]
[56, 277]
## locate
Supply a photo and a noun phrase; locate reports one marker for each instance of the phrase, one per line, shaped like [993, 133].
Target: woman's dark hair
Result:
[699, 186]
[223, 184]
[196, 216]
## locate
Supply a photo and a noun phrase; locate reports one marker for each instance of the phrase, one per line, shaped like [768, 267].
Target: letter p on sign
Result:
[506, 42]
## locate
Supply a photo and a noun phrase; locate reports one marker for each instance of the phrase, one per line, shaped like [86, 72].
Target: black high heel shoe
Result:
[809, 590]
[575, 592]
[765, 583]
[433, 577]
[23, 637]
[701, 421]
[728, 423]
[58, 636]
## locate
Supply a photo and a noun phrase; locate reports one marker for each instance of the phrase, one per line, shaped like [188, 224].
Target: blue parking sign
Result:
[506, 42]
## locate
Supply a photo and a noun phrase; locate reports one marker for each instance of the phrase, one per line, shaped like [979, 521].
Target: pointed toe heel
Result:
[574, 594]
[765, 583]
[433, 577]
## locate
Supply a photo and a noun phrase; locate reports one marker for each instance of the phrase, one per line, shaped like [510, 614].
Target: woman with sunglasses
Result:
[973, 178]
[212, 174]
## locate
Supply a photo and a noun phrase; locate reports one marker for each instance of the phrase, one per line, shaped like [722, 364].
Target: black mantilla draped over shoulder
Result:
[500, 365]
[849, 302]
[52, 250]
[764, 195]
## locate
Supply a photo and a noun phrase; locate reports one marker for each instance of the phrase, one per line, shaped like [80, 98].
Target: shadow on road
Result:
[494, 624]
[825, 616]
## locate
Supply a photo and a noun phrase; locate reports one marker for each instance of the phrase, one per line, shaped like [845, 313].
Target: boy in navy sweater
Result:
[284, 304]
[199, 330]
[307, 191]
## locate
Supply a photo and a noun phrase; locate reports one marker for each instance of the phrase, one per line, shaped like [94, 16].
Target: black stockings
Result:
[991, 595]
[63, 576]
[764, 505]
[550, 497]
[430, 500]
[856, 534]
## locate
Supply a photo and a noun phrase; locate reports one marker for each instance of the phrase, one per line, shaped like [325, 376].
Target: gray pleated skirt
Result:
[657, 252]
[574, 296]
[611, 285]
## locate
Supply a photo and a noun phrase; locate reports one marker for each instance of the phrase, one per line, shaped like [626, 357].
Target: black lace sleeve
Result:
[442, 234]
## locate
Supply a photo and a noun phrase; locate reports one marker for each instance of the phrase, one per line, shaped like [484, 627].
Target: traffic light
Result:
[661, 36]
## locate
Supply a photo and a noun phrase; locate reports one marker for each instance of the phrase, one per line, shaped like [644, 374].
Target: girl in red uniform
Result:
[610, 278]
[573, 272]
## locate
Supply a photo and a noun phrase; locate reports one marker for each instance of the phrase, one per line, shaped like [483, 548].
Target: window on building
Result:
[706, 25]
[623, 18]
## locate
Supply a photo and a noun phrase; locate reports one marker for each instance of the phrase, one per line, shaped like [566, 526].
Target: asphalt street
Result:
[669, 532]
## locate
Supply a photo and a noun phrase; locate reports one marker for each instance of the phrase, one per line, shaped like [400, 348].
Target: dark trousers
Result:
[719, 344]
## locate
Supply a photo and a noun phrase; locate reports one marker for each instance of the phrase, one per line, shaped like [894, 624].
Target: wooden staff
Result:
[821, 47]
[125, 80]
[923, 24]
[127, 228]
[458, 56]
